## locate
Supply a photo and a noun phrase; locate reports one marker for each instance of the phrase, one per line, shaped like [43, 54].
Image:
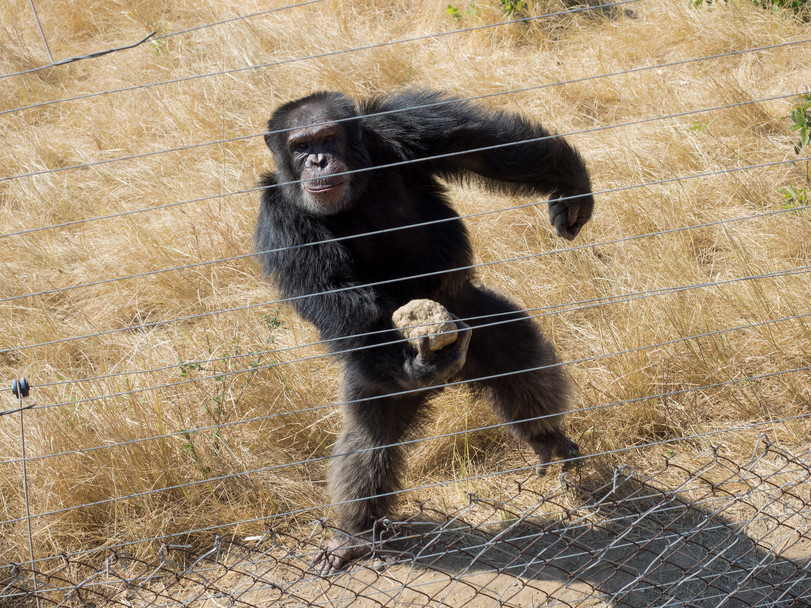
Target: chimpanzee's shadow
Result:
[743, 541]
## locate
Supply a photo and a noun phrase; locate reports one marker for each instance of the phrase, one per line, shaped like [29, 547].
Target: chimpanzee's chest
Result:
[407, 246]
[397, 253]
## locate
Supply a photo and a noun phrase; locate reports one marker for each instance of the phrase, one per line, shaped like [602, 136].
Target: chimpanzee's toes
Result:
[339, 552]
[544, 453]
[554, 444]
[568, 451]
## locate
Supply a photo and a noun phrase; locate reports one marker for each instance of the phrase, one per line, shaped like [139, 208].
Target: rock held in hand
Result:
[421, 318]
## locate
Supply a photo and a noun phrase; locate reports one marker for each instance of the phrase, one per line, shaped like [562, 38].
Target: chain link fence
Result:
[707, 532]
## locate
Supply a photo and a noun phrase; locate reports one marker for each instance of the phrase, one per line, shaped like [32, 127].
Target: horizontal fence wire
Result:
[704, 530]
[152, 36]
[794, 94]
[532, 312]
[470, 267]
[256, 368]
[215, 427]
[214, 480]
[483, 97]
[317, 56]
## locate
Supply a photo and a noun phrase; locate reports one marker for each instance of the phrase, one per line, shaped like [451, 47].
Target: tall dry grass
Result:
[116, 454]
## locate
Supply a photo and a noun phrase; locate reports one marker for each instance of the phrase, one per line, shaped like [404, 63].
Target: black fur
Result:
[391, 130]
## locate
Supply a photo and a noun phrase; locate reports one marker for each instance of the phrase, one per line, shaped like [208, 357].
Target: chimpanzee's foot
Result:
[554, 444]
[339, 552]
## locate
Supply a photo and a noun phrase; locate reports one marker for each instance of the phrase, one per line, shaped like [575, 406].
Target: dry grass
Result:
[282, 414]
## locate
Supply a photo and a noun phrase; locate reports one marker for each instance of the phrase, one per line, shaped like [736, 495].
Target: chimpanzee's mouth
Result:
[324, 185]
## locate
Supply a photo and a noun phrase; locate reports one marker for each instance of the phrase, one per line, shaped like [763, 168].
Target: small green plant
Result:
[458, 14]
[158, 46]
[513, 7]
[798, 7]
[229, 384]
[272, 323]
[800, 117]
[795, 197]
[801, 8]
[188, 446]
[185, 368]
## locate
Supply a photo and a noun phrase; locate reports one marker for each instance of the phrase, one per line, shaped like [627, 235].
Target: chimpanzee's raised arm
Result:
[511, 153]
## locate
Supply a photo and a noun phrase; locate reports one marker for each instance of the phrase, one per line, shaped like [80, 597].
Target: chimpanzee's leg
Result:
[535, 397]
[366, 465]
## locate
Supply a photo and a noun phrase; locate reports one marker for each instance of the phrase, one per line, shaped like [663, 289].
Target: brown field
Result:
[160, 359]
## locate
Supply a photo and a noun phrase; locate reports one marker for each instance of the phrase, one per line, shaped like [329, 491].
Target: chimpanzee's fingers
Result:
[559, 214]
[463, 333]
[574, 212]
[424, 349]
[556, 208]
[562, 229]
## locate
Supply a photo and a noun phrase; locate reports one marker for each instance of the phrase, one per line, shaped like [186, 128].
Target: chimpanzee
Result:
[356, 221]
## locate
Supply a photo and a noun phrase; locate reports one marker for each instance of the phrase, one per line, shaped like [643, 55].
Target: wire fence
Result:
[715, 533]
[687, 531]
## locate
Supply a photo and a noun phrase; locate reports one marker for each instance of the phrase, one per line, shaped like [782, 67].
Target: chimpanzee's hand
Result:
[430, 367]
[569, 215]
